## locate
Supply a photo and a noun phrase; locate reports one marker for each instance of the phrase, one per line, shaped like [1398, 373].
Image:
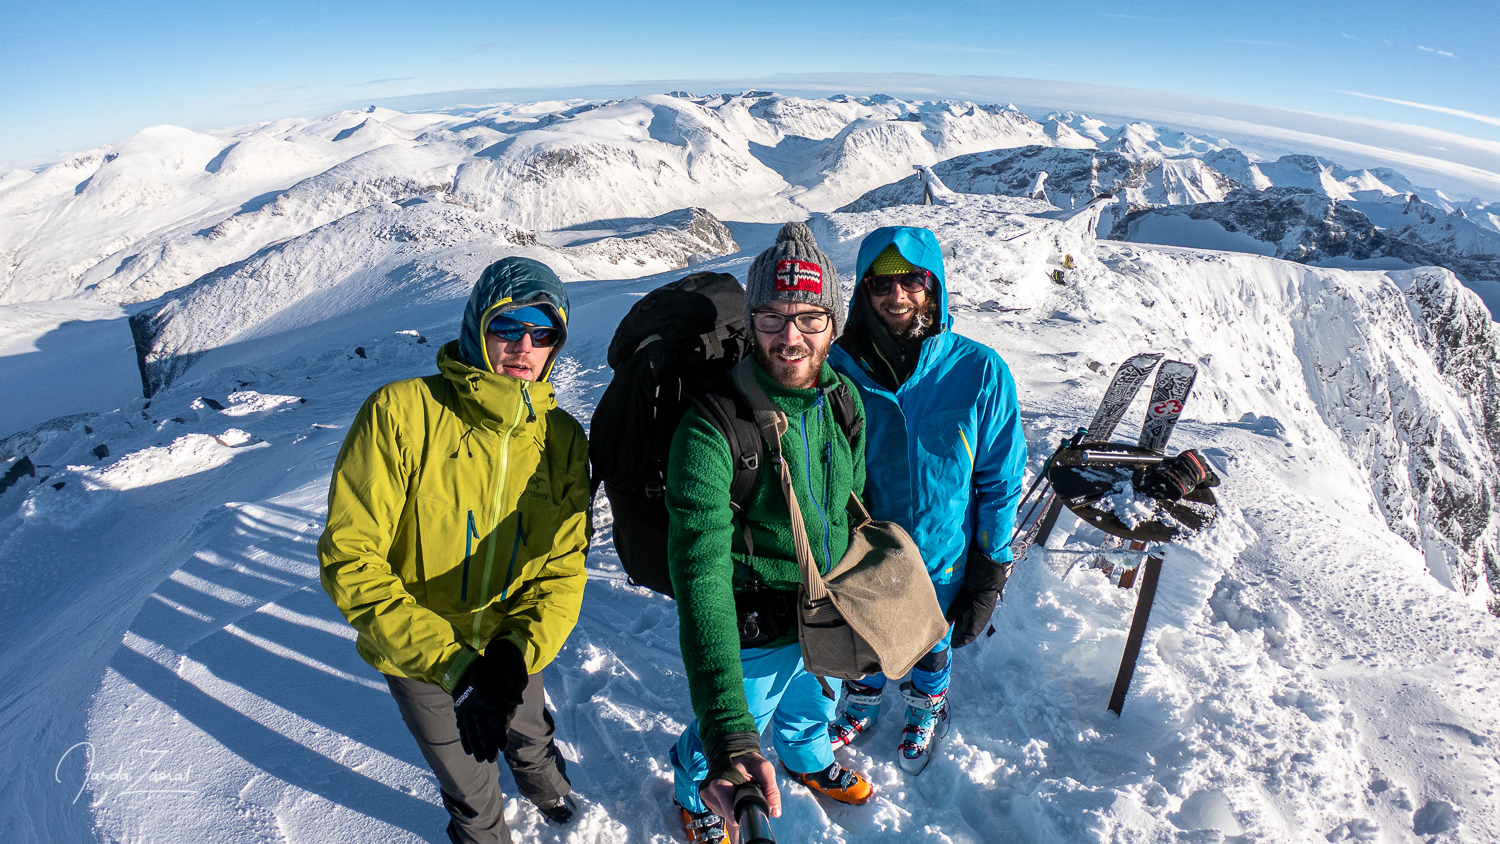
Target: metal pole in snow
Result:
[1151, 573]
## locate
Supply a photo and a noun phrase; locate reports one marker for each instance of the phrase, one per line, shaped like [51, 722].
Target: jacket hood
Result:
[506, 285]
[916, 245]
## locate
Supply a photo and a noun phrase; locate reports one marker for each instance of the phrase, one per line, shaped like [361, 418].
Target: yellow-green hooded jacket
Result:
[458, 510]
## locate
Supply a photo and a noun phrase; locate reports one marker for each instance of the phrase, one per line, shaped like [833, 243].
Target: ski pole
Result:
[753, 815]
[1122, 458]
[1041, 476]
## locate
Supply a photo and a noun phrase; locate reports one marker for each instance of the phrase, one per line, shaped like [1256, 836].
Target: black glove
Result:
[1177, 476]
[486, 697]
[975, 602]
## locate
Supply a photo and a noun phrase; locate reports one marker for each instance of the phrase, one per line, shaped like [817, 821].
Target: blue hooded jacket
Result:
[945, 451]
[511, 284]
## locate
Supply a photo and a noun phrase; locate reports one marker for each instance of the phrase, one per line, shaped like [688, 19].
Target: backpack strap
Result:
[727, 411]
[841, 401]
[730, 417]
[662, 359]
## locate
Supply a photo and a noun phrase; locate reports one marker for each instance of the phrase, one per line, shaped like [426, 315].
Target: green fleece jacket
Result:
[705, 543]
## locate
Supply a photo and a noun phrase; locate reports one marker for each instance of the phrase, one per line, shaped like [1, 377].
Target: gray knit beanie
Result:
[794, 269]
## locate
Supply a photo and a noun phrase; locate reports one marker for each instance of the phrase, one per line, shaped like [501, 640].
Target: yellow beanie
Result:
[890, 262]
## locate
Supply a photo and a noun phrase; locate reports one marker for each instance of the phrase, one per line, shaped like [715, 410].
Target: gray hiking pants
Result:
[471, 789]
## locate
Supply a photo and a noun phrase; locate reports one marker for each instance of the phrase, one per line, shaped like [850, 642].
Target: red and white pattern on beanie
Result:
[803, 276]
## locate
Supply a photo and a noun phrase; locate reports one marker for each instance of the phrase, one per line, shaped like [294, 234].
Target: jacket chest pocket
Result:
[448, 541]
[945, 452]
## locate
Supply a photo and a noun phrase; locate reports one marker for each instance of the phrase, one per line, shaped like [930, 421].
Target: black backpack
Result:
[672, 350]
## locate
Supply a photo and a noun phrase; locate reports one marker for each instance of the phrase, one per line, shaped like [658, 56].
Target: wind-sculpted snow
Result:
[398, 253]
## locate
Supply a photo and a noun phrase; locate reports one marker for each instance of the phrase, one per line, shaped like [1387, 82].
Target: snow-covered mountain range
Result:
[1320, 664]
[1178, 190]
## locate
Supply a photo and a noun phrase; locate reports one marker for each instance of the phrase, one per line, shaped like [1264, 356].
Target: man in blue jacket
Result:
[945, 456]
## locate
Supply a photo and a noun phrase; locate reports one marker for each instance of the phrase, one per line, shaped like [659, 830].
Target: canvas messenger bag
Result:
[876, 610]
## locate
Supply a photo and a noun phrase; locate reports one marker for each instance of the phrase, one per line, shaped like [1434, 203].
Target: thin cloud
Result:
[1124, 16]
[1482, 118]
[1351, 37]
[385, 80]
[958, 48]
[1434, 50]
[485, 46]
[1255, 43]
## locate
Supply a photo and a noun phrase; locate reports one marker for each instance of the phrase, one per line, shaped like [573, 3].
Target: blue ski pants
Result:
[780, 693]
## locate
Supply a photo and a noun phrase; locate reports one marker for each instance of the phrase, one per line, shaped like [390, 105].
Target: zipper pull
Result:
[530, 411]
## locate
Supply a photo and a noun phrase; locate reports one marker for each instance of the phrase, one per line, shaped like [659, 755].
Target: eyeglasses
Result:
[912, 282]
[808, 322]
[511, 331]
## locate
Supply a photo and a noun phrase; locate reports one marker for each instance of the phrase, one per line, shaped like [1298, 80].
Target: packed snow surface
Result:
[176, 674]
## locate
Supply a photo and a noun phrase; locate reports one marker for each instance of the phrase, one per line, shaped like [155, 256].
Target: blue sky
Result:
[81, 73]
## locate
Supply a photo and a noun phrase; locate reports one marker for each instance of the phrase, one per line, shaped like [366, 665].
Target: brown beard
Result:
[920, 325]
[765, 357]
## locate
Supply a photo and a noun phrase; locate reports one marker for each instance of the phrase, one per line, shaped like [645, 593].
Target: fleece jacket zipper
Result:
[807, 460]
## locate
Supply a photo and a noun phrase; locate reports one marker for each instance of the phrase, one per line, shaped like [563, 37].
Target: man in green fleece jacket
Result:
[745, 672]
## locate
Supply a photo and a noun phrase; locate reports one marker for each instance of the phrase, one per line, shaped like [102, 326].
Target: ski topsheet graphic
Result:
[1173, 383]
[1127, 382]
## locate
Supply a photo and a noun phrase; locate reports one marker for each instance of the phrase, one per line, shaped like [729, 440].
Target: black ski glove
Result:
[1177, 476]
[975, 602]
[486, 697]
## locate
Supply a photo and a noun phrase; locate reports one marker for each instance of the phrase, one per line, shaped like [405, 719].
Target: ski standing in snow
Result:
[734, 569]
[945, 457]
[471, 484]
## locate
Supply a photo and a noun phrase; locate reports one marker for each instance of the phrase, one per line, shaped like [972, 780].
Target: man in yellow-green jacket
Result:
[457, 530]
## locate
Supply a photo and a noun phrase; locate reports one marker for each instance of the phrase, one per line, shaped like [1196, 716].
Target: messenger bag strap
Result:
[772, 424]
[861, 514]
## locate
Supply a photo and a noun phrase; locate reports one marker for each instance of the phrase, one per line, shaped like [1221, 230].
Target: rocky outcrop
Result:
[1406, 375]
[1297, 224]
[677, 239]
[1464, 342]
[1074, 178]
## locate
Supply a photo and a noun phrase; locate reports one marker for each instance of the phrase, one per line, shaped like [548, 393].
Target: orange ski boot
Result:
[702, 827]
[838, 782]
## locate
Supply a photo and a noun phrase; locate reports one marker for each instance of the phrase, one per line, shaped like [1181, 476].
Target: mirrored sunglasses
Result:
[912, 282]
[511, 331]
[810, 322]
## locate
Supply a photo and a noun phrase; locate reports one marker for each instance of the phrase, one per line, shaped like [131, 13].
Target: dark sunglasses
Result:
[511, 331]
[770, 322]
[912, 282]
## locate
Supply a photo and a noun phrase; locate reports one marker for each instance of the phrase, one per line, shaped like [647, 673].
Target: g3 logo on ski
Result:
[1165, 408]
